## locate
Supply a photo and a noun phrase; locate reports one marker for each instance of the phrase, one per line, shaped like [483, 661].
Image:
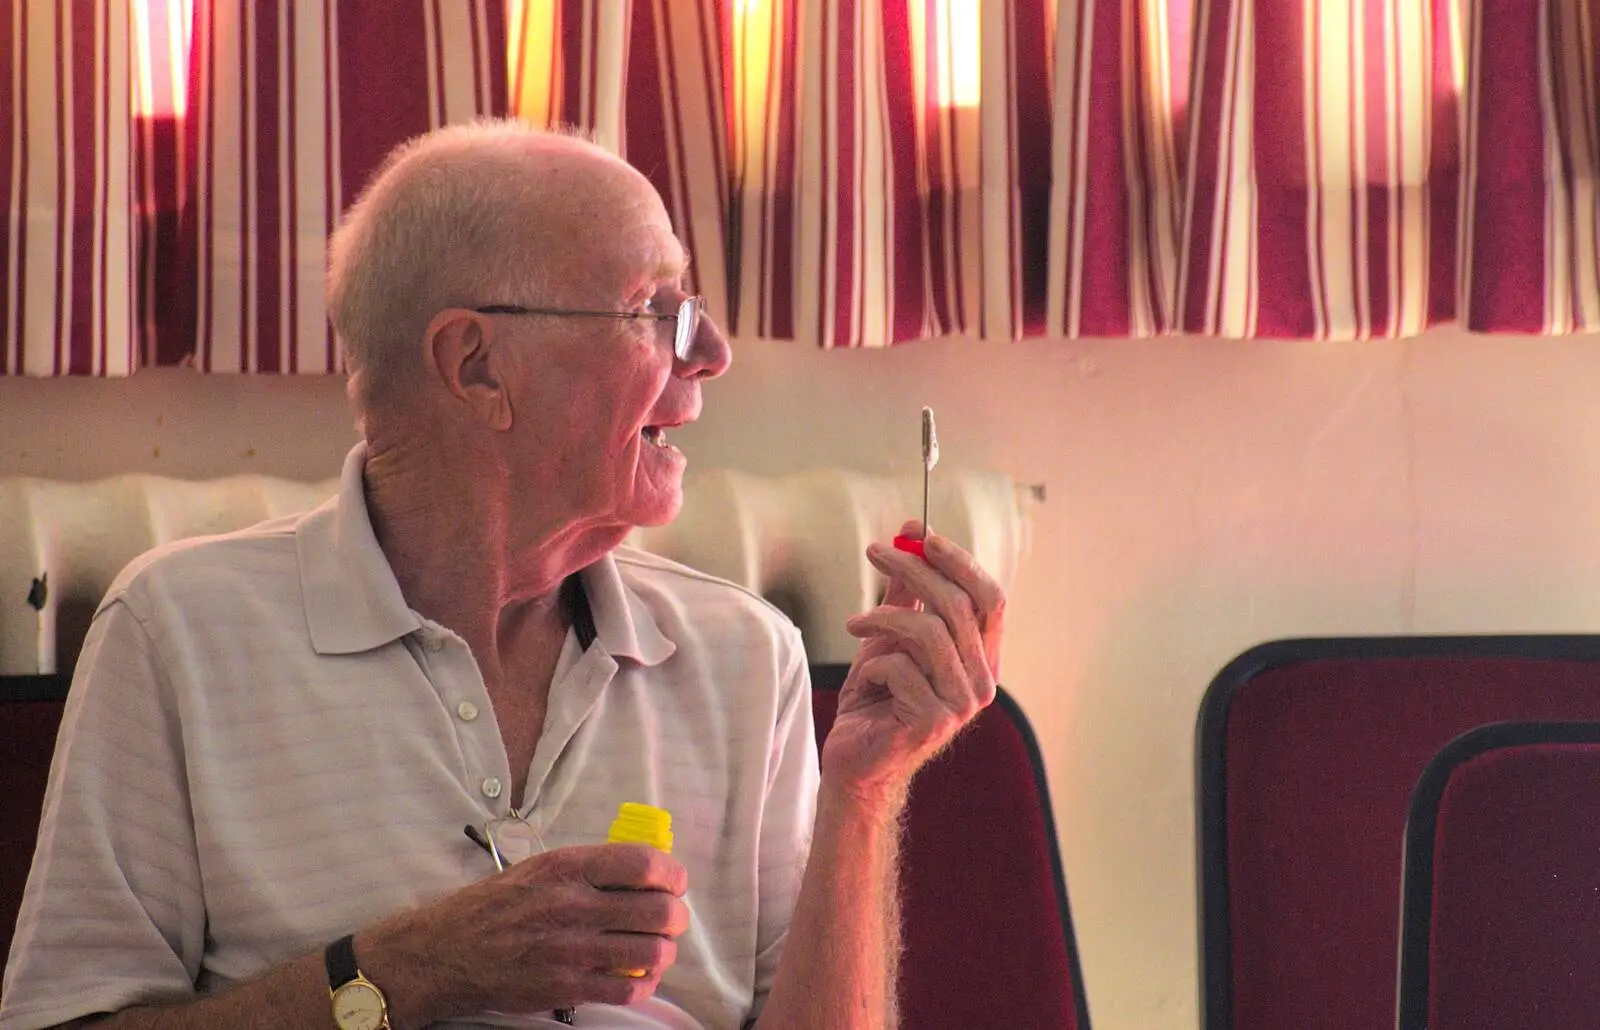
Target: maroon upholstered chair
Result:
[988, 934]
[1501, 924]
[30, 714]
[1308, 751]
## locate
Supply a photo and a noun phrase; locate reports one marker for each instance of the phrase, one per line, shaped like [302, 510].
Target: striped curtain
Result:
[176, 211]
[66, 190]
[646, 78]
[845, 172]
[1364, 169]
[873, 173]
[292, 104]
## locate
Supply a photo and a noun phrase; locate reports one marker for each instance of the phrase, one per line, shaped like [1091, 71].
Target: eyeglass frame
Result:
[687, 318]
[488, 838]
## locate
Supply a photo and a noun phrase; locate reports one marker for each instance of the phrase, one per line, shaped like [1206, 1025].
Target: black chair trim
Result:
[1422, 823]
[49, 687]
[832, 676]
[1211, 735]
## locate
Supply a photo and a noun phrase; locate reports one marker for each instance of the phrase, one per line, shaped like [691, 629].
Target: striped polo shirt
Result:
[265, 748]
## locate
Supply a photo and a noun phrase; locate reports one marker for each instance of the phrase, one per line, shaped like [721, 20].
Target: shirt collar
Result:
[353, 602]
[624, 625]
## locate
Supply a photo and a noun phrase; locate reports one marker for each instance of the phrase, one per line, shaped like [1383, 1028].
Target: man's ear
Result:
[462, 352]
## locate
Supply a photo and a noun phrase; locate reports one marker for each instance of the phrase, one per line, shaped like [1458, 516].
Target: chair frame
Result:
[1422, 823]
[1211, 768]
[832, 676]
[44, 687]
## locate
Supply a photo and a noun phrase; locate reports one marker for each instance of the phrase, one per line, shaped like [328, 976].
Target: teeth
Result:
[655, 435]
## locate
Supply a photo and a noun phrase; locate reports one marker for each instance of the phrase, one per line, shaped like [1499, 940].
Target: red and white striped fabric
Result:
[1531, 245]
[292, 105]
[160, 93]
[846, 173]
[645, 79]
[889, 170]
[1321, 199]
[1367, 168]
[1116, 202]
[66, 195]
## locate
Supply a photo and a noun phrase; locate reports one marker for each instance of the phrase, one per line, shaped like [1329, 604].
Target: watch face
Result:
[358, 1006]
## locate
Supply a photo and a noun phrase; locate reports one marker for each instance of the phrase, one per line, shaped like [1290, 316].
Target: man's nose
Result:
[709, 353]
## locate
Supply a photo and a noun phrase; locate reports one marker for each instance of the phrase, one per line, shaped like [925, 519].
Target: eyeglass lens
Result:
[512, 840]
[688, 323]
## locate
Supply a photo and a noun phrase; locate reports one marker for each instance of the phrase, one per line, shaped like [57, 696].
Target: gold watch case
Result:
[359, 1005]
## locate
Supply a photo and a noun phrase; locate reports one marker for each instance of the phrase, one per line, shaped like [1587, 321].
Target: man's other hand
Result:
[553, 931]
[929, 664]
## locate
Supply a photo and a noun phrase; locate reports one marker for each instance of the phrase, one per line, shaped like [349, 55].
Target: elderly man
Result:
[275, 738]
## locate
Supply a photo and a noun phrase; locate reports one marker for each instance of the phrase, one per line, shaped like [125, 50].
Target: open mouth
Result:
[654, 434]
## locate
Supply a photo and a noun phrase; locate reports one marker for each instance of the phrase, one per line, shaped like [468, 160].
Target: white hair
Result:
[443, 223]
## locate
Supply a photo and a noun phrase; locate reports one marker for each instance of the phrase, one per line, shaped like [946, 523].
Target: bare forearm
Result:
[840, 961]
[291, 996]
[294, 996]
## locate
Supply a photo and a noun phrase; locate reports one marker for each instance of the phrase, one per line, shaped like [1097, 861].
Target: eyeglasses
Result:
[687, 318]
[508, 840]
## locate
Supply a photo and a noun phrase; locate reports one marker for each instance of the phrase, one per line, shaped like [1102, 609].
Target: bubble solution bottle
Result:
[641, 824]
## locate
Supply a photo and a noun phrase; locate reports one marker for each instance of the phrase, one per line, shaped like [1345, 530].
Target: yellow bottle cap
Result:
[642, 824]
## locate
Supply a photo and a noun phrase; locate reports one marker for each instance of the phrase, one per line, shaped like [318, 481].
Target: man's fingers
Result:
[899, 674]
[988, 597]
[605, 987]
[897, 594]
[950, 602]
[636, 867]
[927, 641]
[627, 953]
[648, 912]
[914, 695]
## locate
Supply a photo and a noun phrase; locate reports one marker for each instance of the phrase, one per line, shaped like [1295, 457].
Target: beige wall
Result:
[1203, 497]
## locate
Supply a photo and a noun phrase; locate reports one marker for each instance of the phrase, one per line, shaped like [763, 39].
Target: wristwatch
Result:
[357, 1002]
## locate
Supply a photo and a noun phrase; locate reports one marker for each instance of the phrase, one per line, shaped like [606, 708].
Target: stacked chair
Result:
[1308, 755]
[1501, 898]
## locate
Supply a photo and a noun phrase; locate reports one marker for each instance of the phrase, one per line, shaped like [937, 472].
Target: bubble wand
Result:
[930, 458]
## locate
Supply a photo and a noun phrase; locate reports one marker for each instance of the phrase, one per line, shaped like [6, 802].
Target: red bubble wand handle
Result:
[930, 458]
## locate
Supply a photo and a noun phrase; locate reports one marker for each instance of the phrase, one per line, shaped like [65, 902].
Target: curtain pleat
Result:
[66, 190]
[1367, 169]
[645, 79]
[1530, 252]
[292, 105]
[1116, 198]
[1322, 192]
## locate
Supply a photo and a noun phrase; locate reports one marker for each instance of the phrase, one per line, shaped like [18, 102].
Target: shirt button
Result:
[467, 710]
[434, 645]
[491, 786]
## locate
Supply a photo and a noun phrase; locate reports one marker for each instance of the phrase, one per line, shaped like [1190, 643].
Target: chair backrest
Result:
[1308, 751]
[1501, 915]
[988, 933]
[30, 714]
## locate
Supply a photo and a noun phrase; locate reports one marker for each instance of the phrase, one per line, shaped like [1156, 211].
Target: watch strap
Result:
[340, 960]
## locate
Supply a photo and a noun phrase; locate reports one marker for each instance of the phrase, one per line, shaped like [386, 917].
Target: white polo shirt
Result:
[264, 748]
